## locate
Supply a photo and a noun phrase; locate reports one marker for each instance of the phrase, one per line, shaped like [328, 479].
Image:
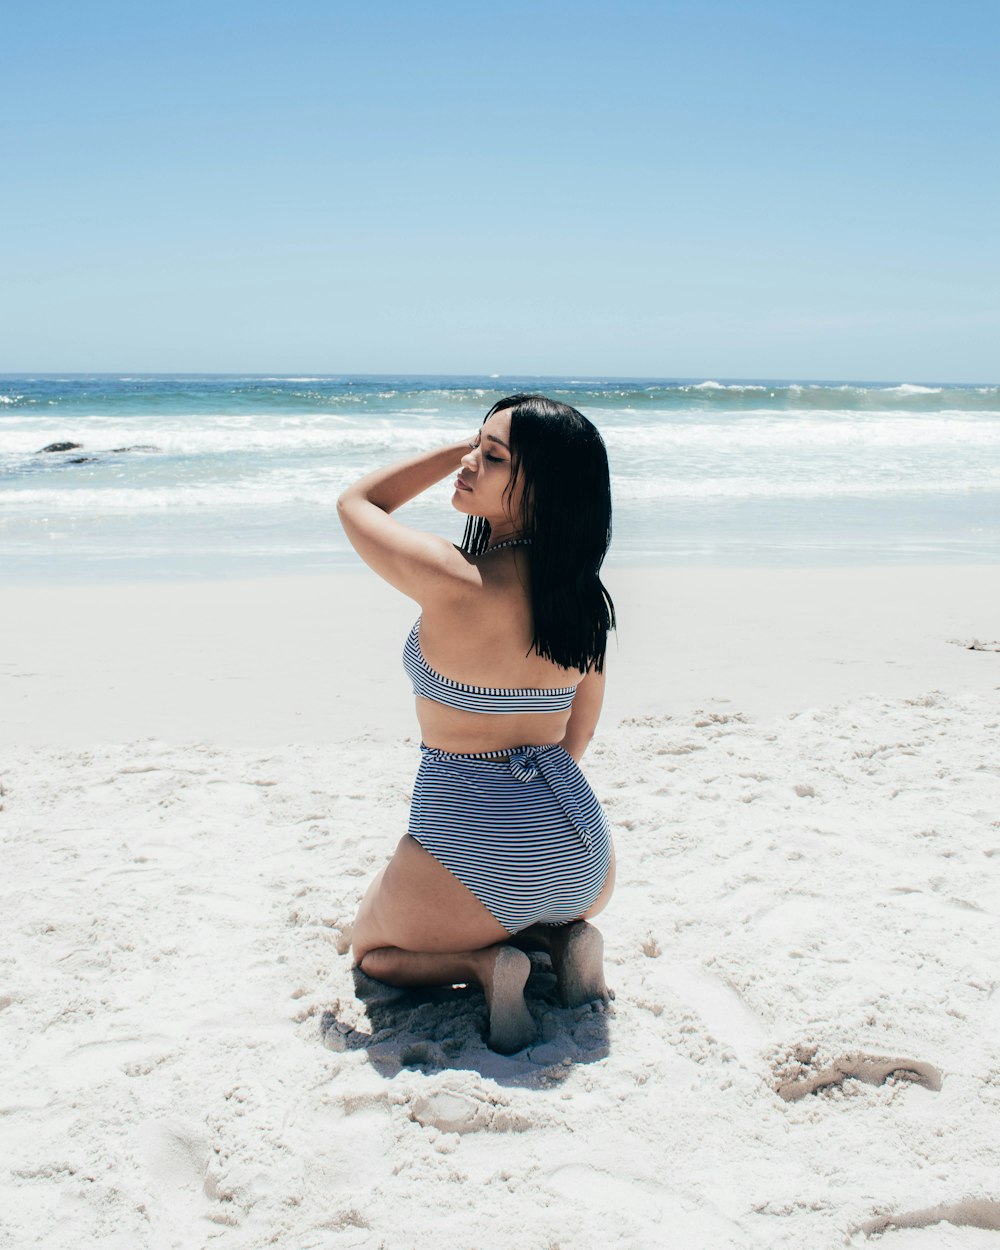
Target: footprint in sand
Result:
[982, 1213]
[799, 1072]
[359, 1136]
[644, 1203]
[452, 1111]
[721, 1009]
[93, 1062]
[176, 1154]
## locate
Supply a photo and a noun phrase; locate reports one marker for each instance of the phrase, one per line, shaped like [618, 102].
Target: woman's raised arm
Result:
[421, 565]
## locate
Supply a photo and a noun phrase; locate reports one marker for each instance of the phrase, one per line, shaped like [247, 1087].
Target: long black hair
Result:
[566, 512]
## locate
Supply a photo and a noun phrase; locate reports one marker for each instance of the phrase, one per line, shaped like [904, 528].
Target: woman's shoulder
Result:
[491, 628]
[493, 602]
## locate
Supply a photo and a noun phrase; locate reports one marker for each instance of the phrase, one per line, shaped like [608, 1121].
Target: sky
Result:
[709, 189]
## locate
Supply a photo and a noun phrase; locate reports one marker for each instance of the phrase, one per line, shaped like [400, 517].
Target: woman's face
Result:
[481, 485]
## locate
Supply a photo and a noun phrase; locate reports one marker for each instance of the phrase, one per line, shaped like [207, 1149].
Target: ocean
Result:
[214, 476]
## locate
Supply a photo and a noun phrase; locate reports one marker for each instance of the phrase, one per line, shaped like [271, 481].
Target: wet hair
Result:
[566, 512]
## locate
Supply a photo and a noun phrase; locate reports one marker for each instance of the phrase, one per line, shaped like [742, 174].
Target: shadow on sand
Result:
[436, 1030]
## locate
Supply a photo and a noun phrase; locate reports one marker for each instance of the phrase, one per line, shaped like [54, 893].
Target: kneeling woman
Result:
[507, 665]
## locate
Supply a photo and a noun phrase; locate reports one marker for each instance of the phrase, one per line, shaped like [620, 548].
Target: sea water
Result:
[222, 476]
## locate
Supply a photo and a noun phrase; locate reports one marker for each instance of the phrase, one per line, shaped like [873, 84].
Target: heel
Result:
[577, 952]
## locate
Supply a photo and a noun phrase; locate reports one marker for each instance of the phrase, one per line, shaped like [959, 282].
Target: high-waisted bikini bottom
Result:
[520, 828]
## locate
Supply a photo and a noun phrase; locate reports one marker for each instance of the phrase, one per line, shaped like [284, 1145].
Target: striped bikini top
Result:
[429, 684]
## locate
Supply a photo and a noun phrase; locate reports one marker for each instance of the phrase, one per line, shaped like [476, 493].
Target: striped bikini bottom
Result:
[521, 829]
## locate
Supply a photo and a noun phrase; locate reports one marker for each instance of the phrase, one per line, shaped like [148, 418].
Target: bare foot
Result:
[577, 953]
[503, 979]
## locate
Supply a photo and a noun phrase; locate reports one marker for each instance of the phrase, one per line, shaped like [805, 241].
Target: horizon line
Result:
[125, 374]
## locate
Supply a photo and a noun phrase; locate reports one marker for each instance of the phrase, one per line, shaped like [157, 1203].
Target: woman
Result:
[507, 665]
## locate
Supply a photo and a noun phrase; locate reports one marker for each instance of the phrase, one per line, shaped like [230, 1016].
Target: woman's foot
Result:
[578, 961]
[503, 976]
[500, 969]
[577, 954]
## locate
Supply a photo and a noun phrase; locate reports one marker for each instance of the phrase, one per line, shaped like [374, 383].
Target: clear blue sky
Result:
[712, 188]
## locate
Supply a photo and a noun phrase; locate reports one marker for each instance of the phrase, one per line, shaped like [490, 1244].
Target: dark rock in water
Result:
[137, 447]
[60, 447]
[82, 460]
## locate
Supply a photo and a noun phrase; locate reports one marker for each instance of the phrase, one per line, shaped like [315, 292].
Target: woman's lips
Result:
[460, 485]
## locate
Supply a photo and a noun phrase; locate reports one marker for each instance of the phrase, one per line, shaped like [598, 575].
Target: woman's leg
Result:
[500, 970]
[419, 925]
[415, 903]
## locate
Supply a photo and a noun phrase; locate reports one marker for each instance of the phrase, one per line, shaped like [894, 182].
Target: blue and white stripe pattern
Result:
[521, 829]
[429, 684]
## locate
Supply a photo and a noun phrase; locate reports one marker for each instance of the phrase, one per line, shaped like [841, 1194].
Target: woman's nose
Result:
[469, 459]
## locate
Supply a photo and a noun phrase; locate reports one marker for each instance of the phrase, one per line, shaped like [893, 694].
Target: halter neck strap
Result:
[508, 542]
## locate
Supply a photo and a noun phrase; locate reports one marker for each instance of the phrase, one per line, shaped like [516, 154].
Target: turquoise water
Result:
[239, 476]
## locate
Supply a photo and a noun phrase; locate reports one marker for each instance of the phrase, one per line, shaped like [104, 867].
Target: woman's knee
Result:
[379, 963]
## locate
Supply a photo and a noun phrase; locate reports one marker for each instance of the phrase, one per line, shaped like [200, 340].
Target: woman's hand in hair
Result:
[424, 566]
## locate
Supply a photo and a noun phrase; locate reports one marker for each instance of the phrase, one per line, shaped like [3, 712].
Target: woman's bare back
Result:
[484, 638]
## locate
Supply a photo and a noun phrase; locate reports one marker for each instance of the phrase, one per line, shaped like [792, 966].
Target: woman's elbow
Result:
[348, 512]
[348, 503]
[355, 499]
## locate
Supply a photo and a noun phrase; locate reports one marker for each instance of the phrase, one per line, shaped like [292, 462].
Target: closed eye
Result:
[486, 455]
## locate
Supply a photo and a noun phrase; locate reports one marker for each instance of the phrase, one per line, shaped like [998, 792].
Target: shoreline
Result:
[69, 571]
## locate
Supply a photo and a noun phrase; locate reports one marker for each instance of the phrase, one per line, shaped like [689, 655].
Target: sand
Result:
[801, 768]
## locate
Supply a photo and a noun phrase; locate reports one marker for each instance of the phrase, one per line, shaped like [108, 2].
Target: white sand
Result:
[802, 772]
